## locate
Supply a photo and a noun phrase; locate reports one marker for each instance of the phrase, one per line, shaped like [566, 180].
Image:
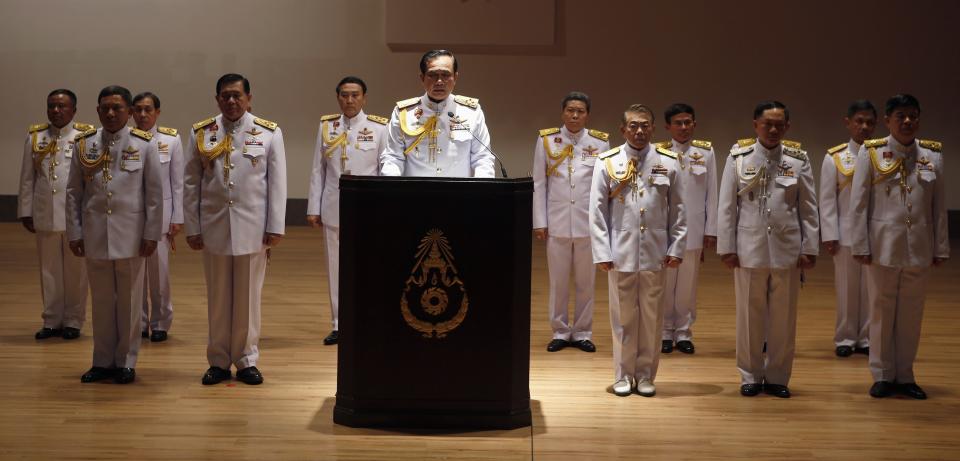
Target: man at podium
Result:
[438, 134]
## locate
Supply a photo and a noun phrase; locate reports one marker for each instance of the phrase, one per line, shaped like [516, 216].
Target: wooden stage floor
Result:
[697, 413]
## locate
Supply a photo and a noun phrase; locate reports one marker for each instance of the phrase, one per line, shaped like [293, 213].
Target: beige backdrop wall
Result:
[721, 57]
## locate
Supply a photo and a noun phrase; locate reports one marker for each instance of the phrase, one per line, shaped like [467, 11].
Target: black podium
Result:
[434, 302]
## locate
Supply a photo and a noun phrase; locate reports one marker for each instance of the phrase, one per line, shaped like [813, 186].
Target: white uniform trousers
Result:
[636, 336]
[332, 235]
[116, 288]
[564, 255]
[680, 297]
[853, 310]
[63, 282]
[234, 285]
[157, 303]
[896, 297]
[766, 311]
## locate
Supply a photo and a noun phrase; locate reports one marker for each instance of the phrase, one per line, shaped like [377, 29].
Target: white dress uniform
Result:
[445, 139]
[900, 220]
[156, 293]
[562, 176]
[47, 155]
[768, 217]
[698, 170]
[636, 220]
[836, 175]
[114, 202]
[344, 146]
[235, 190]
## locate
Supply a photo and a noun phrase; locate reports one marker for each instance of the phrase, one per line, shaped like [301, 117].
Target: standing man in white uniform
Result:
[768, 233]
[438, 134]
[563, 160]
[698, 170]
[347, 143]
[156, 292]
[234, 201]
[637, 228]
[44, 170]
[836, 173]
[114, 215]
[899, 232]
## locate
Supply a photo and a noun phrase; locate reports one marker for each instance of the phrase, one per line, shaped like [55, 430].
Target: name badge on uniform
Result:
[659, 169]
[130, 154]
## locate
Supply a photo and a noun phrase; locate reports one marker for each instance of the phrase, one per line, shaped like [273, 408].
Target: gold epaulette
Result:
[791, 144]
[878, 142]
[144, 135]
[664, 144]
[702, 144]
[39, 127]
[87, 133]
[610, 153]
[265, 123]
[203, 123]
[378, 119]
[599, 135]
[837, 148]
[549, 131]
[746, 142]
[82, 126]
[167, 131]
[329, 117]
[794, 152]
[667, 152]
[932, 145]
[465, 101]
[408, 102]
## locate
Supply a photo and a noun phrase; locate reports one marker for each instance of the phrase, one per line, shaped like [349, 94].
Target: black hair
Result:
[861, 105]
[227, 79]
[576, 96]
[65, 92]
[433, 54]
[116, 90]
[145, 95]
[677, 109]
[352, 79]
[638, 109]
[900, 100]
[768, 105]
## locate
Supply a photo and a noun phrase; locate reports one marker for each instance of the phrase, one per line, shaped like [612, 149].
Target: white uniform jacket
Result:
[836, 175]
[698, 170]
[171, 167]
[44, 172]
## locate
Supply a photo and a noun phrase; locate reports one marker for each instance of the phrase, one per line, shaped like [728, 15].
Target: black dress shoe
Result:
[862, 350]
[585, 345]
[912, 390]
[557, 344]
[685, 346]
[332, 338]
[97, 374]
[844, 351]
[45, 333]
[750, 390]
[158, 336]
[666, 346]
[250, 375]
[125, 376]
[144, 334]
[777, 390]
[881, 389]
[214, 375]
[71, 333]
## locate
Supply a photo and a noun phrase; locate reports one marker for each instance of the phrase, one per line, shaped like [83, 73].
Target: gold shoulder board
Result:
[329, 117]
[667, 152]
[167, 131]
[599, 135]
[878, 142]
[746, 142]
[610, 153]
[932, 145]
[86, 134]
[144, 135]
[465, 101]
[265, 123]
[549, 131]
[39, 127]
[408, 102]
[378, 119]
[792, 144]
[702, 144]
[203, 123]
[664, 144]
[795, 153]
[82, 126]
[837, 148]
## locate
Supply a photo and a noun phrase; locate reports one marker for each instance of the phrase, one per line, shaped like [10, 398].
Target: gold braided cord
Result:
[87, 163]
[215, 151]
[429, 128]
[751, 181]
[566, 153]
[406, 129]
[839, 163]
[39, 154]
[884, 172]
[623, 180]
[332, 143]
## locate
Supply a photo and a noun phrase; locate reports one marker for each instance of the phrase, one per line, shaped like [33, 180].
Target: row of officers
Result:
[106, 204]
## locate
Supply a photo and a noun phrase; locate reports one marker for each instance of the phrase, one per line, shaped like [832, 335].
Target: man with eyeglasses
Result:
[698, 170]
[768, 233]
[563, 162]
[637, 229]
[438, 134]
[899, 232]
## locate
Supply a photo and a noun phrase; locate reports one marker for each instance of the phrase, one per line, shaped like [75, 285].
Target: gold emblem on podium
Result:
[434, 301]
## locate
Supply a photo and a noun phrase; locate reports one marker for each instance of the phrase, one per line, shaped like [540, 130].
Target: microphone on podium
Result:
[503, 170]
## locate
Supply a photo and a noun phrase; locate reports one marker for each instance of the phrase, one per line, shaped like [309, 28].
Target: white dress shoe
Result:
[646, 388]
[623, 387]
